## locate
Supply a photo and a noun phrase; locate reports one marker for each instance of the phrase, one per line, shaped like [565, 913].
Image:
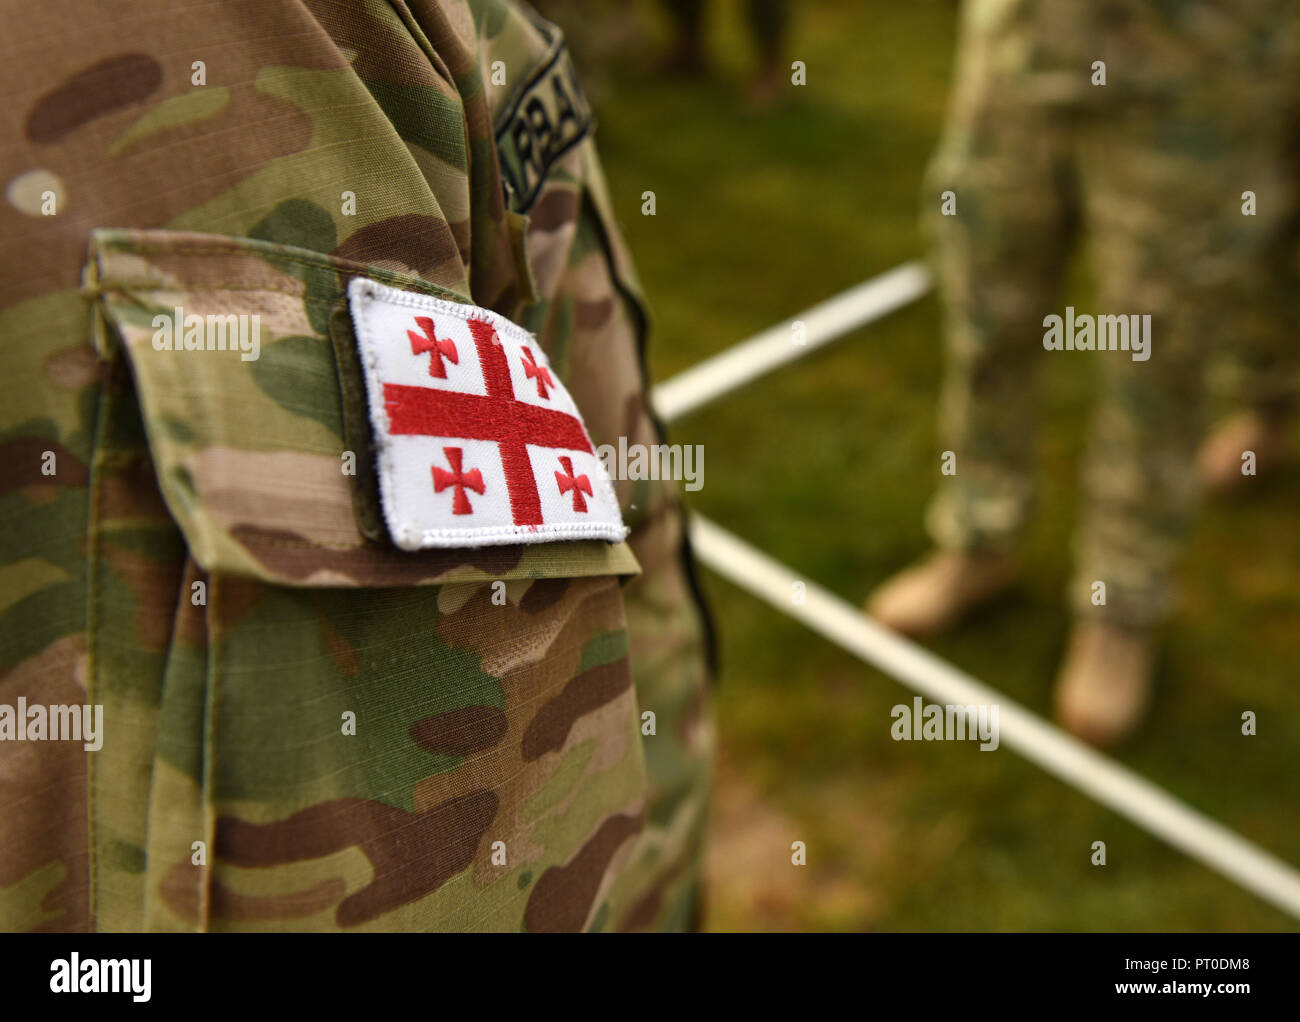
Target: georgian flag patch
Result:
[477, 441]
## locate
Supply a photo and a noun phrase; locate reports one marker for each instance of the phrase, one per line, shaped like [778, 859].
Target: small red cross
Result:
[437, 349]
[473, 480]
[499, 417]
[543, 375]
[578, 485]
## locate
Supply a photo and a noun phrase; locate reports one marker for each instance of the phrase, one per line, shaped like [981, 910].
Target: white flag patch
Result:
[478, 442]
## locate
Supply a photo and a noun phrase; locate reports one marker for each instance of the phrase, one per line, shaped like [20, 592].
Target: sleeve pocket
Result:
[243, 362]
[341, 734]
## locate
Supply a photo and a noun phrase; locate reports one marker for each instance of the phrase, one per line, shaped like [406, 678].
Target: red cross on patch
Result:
[463, 403]
[578, 484]
[543, 375]
[459, 479]
[426, 340]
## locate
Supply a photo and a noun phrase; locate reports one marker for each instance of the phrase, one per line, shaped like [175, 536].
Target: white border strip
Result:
[1108, 783]
[775, 346]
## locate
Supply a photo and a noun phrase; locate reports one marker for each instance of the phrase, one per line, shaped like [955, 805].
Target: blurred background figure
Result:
[1163, 134]
[1258, 378]
[769, 23]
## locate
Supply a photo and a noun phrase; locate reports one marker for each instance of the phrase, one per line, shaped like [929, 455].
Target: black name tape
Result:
[546, 118]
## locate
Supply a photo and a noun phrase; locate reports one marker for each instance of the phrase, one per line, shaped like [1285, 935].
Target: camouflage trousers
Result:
[1037, 158]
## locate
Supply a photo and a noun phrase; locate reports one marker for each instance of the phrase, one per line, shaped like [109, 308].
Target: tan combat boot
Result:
[931, 596]
[1219, 460]
[1105, 682]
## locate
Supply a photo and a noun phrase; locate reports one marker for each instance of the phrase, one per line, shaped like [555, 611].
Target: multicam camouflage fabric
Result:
[1199, 105]
[500, 775]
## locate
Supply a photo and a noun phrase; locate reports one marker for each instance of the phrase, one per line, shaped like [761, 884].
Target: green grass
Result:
[828, 465]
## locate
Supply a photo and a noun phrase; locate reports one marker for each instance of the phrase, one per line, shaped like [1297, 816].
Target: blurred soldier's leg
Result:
[1262, 430]
[1140, 487]
[1260, 371]
[687, 53]
[1161, 183]
[769, 23]
[998, 201]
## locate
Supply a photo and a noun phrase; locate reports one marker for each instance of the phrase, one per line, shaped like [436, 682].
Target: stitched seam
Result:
[137, 248]
[204, 288]
[92, 654]
[207, 789]
[272, 255]
[301, 544]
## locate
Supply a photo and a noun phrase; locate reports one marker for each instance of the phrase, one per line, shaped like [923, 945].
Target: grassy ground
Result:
[828, 464]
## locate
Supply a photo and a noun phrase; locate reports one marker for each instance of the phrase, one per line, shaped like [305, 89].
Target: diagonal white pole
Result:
[775, 346]
[1127, 793]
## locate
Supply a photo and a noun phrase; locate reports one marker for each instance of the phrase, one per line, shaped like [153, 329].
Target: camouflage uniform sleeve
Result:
[301, 726]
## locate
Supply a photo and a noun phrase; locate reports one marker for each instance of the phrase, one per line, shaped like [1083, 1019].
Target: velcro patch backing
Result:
[478, 443]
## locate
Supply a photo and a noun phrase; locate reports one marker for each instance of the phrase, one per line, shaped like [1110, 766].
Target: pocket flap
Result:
[249, 388]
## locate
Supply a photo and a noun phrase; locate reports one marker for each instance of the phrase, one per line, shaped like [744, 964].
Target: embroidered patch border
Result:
[469, 422]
